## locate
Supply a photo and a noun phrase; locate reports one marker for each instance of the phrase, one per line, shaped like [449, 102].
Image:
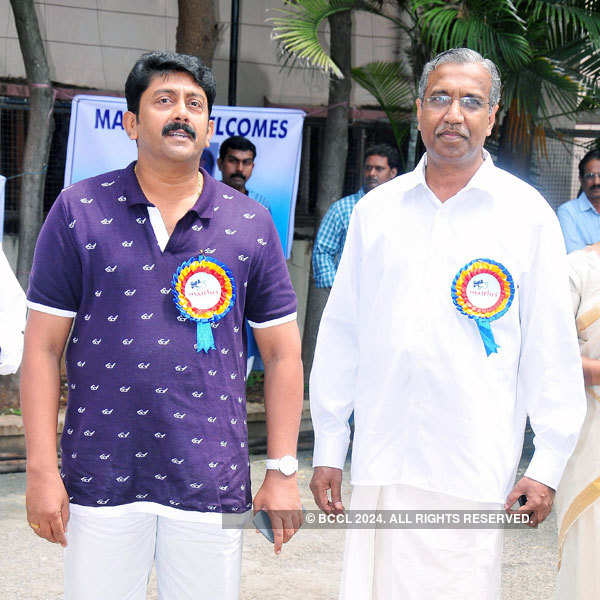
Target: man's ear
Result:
[130, 123]
[492, 120]
[211, 131]
[394, 172]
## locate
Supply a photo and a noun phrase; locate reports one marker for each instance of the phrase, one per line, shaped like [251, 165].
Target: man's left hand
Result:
[539, 500]
[280, 498]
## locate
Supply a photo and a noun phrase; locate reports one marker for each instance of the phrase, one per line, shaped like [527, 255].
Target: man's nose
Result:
[454, 113]
[180, 110]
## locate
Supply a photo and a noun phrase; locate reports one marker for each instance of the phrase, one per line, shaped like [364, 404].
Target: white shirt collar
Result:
[480, 180]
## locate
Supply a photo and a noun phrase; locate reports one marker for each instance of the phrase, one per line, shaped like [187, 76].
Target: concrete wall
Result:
[95, 42]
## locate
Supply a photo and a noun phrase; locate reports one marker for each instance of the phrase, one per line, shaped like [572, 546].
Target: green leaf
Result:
[297, 29]
[391, 84]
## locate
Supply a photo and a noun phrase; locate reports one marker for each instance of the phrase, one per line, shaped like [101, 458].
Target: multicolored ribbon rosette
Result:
[203, 291]
[483, 290]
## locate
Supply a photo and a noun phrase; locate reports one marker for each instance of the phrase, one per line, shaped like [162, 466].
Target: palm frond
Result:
[565, 19]
[297, 29]
[392, 86]
[389, 82]
[496, 31]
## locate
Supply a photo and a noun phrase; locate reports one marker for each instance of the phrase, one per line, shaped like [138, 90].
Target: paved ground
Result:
[308, 568]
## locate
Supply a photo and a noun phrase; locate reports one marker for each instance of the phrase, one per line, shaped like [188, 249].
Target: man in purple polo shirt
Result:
[156, 267]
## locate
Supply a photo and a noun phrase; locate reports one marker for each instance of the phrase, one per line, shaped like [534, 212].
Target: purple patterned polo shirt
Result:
[149, 419]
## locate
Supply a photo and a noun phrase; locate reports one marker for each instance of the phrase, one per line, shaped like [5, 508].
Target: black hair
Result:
[391, 153]
[161, 63]
[237, 142]
[591, 155]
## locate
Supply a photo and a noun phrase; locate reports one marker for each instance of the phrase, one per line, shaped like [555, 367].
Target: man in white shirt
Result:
[447, 325]
[12, 319]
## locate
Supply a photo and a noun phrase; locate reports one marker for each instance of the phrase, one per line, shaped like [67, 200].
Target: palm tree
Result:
[547, 52]
[297, 31]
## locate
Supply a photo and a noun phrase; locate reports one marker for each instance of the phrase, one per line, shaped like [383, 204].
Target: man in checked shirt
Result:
[381, 164]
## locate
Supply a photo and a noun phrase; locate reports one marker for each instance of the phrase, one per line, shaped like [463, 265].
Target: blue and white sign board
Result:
[98, 143]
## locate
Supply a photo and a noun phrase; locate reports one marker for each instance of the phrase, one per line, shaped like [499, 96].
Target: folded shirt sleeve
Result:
[56, 274]
[270, 297]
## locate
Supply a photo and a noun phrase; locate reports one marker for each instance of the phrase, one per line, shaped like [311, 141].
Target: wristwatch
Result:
[287, 465]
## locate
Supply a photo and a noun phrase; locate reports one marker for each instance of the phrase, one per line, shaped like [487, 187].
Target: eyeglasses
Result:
[468, 104]
[590, 176]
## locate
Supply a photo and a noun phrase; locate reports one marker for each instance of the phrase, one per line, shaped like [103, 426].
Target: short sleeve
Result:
[56, 279]
[270, 297]
[572, 235]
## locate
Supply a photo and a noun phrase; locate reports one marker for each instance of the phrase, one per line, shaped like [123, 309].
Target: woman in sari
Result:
[578, 495]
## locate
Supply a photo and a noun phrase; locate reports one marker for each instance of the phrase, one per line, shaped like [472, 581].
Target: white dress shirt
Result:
[12, 318]
[432, 410]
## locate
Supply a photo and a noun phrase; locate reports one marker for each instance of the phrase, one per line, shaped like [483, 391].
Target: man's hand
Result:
[593, 248]
[323, 479]
[279, 497]
[47, 505]
[539, 500]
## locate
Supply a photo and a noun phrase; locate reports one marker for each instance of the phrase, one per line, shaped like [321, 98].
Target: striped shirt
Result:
[331, 238]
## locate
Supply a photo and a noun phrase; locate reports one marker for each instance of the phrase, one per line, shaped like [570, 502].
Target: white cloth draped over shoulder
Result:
[12, 318]
[578, 497]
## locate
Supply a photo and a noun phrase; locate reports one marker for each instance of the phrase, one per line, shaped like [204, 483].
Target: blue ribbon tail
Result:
[204, 337]
[485, 331]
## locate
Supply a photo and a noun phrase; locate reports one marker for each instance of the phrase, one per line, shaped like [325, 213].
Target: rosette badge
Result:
[203, 291]
[483, 290]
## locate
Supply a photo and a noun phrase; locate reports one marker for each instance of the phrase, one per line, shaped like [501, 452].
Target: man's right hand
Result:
[324, 479]
[47, 504]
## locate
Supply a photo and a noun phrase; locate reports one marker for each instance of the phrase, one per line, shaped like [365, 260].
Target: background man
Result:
[580, 218]
[382, 163]
[448, 323]
[236, 163]
[154, 449]
[12, 319]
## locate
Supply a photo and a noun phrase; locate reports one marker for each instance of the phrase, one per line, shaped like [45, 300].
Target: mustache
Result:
[174, 126]
[459, 130]
[240, 175]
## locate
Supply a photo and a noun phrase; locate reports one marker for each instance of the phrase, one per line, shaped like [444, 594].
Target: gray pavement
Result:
[308, 568]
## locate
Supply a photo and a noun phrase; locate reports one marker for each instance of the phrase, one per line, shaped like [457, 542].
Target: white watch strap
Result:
[286, 464]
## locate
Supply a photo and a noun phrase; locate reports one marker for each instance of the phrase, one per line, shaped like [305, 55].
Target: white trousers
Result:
[420, 564]
[110, 558]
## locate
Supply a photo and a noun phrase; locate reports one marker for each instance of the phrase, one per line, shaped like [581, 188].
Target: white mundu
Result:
[12, 319]
[578, 495]
[432, 410]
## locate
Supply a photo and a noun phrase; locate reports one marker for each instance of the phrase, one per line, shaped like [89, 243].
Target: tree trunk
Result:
[39, 134]
[332, 167]
[197, 29]
[411, 160]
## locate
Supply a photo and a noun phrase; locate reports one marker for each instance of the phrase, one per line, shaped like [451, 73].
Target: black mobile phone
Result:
[522, 500]
[262, 522]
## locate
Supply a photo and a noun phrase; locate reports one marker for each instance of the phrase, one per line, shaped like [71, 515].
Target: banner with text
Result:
[97, 143]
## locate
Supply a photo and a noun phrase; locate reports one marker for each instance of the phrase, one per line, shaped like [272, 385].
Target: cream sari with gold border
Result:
[578, 495]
